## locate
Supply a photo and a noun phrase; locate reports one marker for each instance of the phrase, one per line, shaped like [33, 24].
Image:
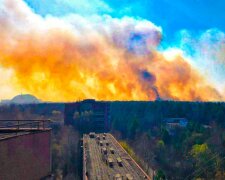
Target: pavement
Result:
[102, 165]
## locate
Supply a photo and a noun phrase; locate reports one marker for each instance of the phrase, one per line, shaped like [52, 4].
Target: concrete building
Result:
[25, 153]
[172, 124]
[88, 115]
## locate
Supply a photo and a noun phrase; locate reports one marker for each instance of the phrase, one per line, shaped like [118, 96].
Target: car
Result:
[92, 135]
[104, 150]
[129, 177]
[119, 161]
[112, 150]
[107, 143]
[109, 161]
[117, 177]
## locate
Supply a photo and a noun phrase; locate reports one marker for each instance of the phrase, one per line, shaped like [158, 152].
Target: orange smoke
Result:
[67, 60]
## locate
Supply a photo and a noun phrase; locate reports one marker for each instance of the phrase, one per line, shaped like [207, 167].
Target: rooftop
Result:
[13, 128]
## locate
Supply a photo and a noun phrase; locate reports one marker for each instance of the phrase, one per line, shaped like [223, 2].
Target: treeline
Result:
[191, 152]
[29, 111]
[142, 115]
[66, 153]
[42, 111]
[196, 151]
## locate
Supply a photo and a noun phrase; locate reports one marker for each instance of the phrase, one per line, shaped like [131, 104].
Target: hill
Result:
[24, 99]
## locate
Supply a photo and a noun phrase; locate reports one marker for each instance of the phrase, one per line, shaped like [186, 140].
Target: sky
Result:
[127, 50]
[172, 16]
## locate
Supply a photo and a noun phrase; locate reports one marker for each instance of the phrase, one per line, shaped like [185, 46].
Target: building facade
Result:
[25, 155]
[88, 115]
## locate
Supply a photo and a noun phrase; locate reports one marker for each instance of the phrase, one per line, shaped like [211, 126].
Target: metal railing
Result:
[24, 124]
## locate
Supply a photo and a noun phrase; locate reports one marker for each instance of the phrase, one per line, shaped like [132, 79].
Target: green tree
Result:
[160, 144]
[199, 149]
[134, 125]
[165, 136]
[204, 161]
[160, 175]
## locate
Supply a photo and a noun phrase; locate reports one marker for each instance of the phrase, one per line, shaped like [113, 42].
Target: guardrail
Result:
[24, 124]
[146, 176]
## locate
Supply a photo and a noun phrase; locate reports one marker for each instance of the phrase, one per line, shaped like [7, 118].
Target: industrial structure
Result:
[25, 149]
[88, 115]
[104, 158]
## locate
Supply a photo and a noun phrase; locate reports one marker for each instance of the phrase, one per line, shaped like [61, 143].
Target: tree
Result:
[133, 128]
[165, 136]
[76, 115]
[160, 175]
[220, 175]
[199, 149]
[204, 161]
[160, 144]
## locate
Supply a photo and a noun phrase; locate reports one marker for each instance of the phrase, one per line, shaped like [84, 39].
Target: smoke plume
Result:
[97, 56]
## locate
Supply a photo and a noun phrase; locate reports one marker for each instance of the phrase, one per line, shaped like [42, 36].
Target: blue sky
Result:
[172, 16]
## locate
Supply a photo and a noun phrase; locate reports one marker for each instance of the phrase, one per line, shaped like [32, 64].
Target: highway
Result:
[105, 159]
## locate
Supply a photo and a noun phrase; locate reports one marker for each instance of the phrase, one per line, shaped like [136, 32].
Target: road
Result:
[99, 163]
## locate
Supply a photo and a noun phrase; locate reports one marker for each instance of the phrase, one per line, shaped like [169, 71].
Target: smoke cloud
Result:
[97, 56]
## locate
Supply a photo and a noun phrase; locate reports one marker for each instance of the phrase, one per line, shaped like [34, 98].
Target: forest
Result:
[194, 151]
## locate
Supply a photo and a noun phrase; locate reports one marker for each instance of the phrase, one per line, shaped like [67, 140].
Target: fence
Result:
[20, 125]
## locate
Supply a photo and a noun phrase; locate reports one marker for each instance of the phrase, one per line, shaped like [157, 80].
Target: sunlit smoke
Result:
[76, 57]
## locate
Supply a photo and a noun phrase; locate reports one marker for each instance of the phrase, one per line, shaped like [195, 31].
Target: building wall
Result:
[98, 121]
[26, 156]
